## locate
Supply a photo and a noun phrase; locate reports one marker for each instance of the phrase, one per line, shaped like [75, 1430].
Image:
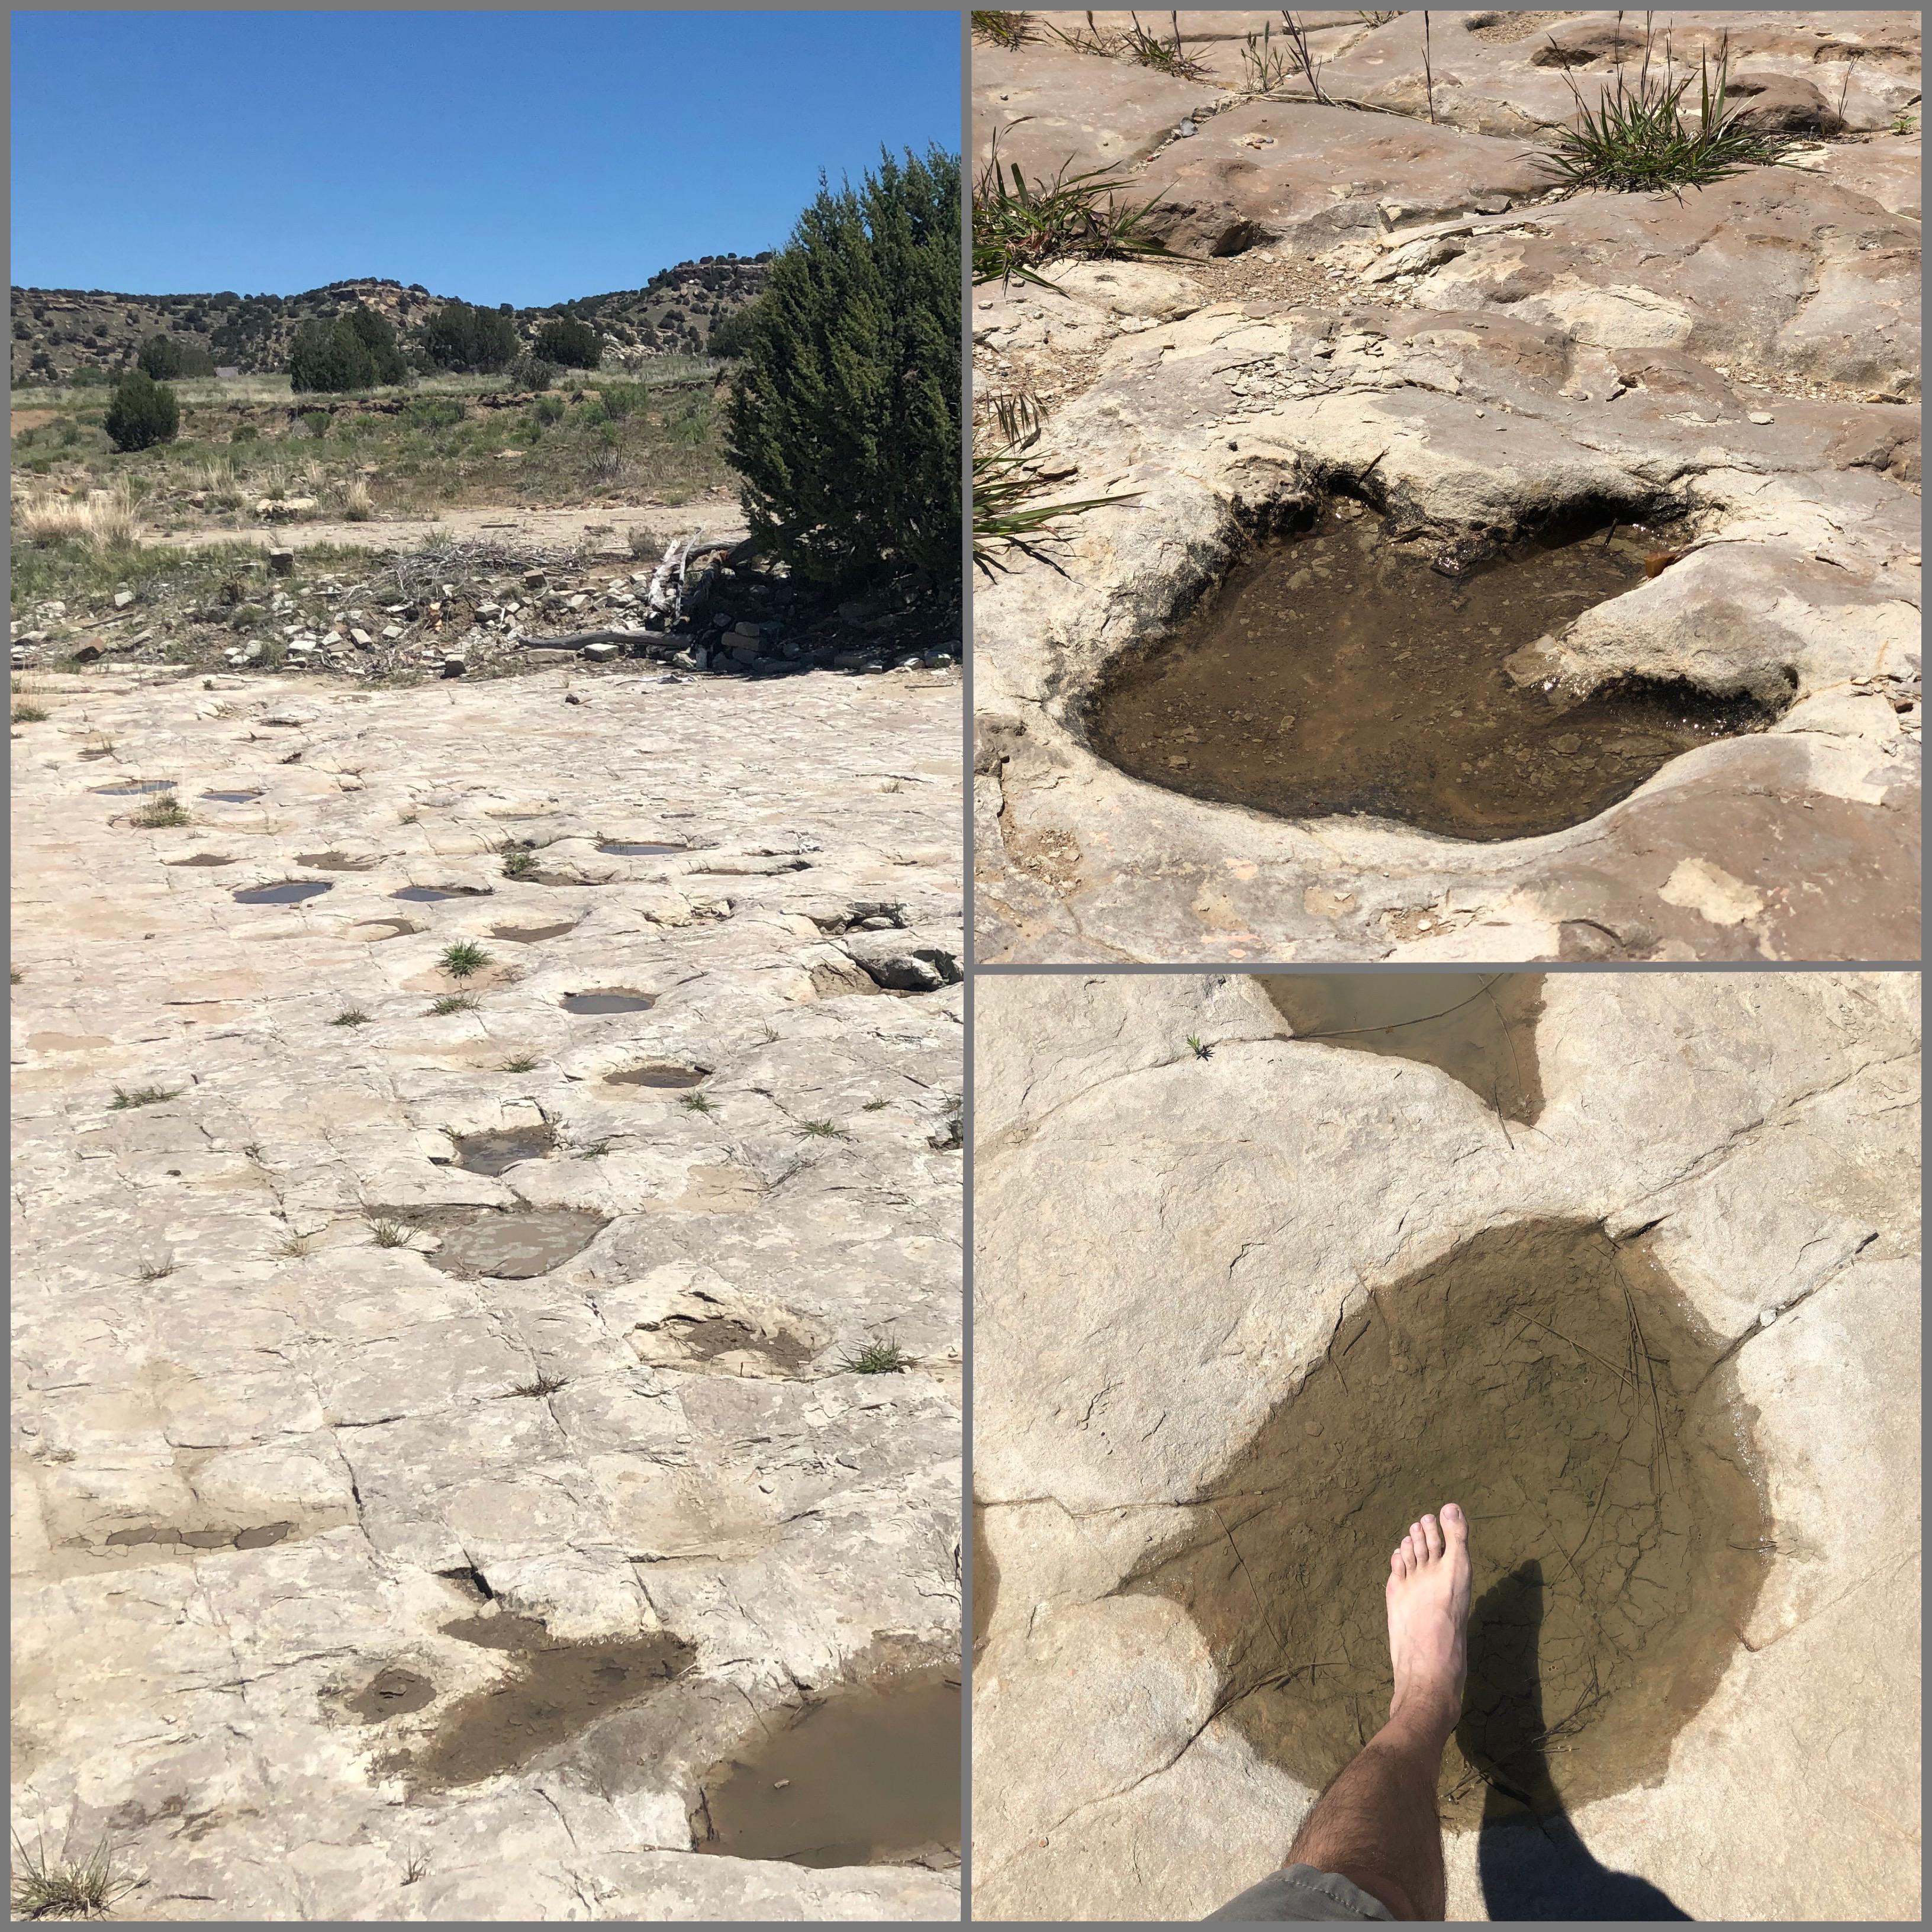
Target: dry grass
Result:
[102, 517]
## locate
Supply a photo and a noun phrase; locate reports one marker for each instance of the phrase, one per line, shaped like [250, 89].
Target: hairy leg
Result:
[1377, 1824]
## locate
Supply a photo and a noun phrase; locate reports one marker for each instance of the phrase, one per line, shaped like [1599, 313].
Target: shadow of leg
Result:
[1532, 1864]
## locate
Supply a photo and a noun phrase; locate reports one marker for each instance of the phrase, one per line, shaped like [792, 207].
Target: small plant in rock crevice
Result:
[463, 957]
[350, 1016]
[544, 1383]
[389, 1234]
[1638, 137]
[1020, 225]
[523, 1063]
[64, 1887]
[164, 814]
[453, 1002]
[142, 1097]
[1202, 1050]
[1167, 57]
[698, 1103]
[879, 1354]
[29, 714]
[822, 1130]
[519, 862]
[1008, 481]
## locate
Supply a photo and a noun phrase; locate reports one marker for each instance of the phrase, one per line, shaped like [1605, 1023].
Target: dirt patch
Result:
[512, 1246]
[722, 1344]
[1478, 1028]
[868, 1776]
[555, 1692]
[201, 858]
[337, 862]
[393, 1692]
[1554, 1383]
[1342, 672]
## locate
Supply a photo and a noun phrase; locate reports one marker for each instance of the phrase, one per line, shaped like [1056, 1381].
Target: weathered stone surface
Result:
[261, 1459]
[1166, 1244]
[1048, 108]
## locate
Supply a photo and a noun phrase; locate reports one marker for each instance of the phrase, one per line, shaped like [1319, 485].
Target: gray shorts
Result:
[1300, 1892]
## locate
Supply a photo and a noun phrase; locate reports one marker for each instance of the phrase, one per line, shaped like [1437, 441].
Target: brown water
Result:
[1478, 1028]
[1555, 1384]
[506, 1246]
[658, 1073]
[497, 1153]
[869, 1776]
[1336, 673]
[610, 1000]
[291, 892]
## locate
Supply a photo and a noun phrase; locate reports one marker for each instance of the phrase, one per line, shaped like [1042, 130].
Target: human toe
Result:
[1432, 1536]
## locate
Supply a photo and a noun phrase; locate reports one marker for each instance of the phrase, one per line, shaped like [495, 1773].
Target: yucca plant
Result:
[1007, 481]
[1019, 225]
[1638, 137]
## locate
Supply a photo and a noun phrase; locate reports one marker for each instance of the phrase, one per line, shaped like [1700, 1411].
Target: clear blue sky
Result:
[523, 157]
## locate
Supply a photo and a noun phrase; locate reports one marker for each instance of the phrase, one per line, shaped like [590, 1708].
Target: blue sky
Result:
[523, 157]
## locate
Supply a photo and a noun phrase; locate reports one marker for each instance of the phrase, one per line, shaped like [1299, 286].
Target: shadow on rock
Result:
[1532, 1864]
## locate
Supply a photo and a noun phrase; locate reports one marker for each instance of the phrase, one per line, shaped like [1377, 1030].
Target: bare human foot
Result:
[1429, 1621]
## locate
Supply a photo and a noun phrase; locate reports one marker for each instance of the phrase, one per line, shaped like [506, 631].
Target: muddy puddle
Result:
[631, 849]
[1478, 1028]
[1554, 1384]
[512, 1245]
[870, 1776]
[1336, 672]
[426, 895]
[660, 1074]
[553, 1693]
[201, 858]
[290, 892]
[530, 935]
[496, 1152]
[609, 1000]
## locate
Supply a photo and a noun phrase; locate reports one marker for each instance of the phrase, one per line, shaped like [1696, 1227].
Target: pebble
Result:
[1761, 416]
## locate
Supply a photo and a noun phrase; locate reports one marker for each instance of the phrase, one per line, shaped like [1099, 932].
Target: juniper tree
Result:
[143, 413]
[844, 413]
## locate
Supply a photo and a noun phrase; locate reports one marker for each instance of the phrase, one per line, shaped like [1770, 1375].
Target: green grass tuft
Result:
[350, 1016]
[519, 862]
[453, 1002]
[1004, 29]
[524, 1062]
[165, 814]
[142, 1097]
[62, 1887]
[389, 1234]
[822, 1130]
[1638, 137]
[699, 1104]
[463, 958]
[29, 714]
[1019, 226]
[879, 1355]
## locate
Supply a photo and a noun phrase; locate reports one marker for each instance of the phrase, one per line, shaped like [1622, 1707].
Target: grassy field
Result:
[407, 451]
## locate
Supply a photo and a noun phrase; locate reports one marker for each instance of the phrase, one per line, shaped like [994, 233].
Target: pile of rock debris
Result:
[482, 609]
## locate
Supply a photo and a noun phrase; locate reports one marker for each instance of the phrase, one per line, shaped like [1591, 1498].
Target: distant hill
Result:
[59, 331]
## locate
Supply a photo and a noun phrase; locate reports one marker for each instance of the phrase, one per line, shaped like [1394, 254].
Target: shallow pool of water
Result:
[497, 1152]
[631, 849]
[658, 1073]
[135, 787]
[610, 1000]
[869, 1776]
[530, 935]
[290, 892]
[514, 1246]
[337, 862]
[423, 894]
[1336, 673]
[232, 797]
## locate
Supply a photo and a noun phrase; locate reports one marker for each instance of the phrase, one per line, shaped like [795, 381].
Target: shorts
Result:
[1300, 1892]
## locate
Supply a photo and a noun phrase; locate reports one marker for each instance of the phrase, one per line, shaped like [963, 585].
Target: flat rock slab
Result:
[299, 1397]
[1169, 1243]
